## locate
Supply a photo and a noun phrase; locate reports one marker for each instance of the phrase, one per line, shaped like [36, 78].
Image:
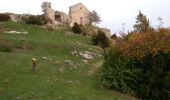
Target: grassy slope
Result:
[53, 80]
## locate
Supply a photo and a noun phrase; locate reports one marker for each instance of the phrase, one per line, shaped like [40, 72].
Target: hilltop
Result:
[68, 66]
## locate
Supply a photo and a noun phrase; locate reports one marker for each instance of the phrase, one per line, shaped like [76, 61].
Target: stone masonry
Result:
[77, 13]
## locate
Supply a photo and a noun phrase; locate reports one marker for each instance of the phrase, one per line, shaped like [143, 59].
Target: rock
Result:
[69, 64]
[75, 82]
[68, 34]
[74, 52]
[87, 55]
[15, 32]
[85, 61]
[46, 58]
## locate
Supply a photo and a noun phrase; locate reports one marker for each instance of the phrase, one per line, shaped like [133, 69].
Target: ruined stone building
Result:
[78, 13]
[56, 17]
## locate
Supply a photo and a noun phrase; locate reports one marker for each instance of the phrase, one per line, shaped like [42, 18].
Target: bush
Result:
[76, 28]
[154, 83]
[100, 39]
[140, 65]
[5, 46]
[36, 20]
[114, 36]
[1, 28]
[117, 74]
[4, 17]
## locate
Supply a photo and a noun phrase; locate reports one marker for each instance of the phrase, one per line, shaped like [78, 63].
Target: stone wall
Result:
[106, 31]
[48, 11]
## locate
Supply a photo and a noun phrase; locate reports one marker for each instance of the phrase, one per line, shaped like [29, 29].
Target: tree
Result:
[142, 23]
[114, 36]
[101, 39]
[160, 22]
[4, 17]
[93, 17]
[76, 28]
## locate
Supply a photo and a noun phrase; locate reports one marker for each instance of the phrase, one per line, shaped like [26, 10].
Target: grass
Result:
[53, 80]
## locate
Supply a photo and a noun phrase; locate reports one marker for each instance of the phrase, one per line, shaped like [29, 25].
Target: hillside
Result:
[62, 71]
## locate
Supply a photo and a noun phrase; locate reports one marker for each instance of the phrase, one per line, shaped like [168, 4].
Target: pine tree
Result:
[142, 23]
[76, 28]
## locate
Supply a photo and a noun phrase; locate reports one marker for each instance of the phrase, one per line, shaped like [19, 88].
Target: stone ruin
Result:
[77, 13]
[56, 17]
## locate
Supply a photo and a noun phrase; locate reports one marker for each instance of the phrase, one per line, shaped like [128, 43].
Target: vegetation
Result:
[4, 17]
[94, 17]
[52, 79]
[100, 39]
[142, 23]
[5, 46]
[114, 36]
[139, 65]
[36, 20]
[76, 28]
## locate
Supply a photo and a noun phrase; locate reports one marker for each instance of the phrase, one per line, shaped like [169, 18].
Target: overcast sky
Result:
[112, 12]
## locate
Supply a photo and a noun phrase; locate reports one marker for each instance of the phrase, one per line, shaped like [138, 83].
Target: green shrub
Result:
[100, 39]
[4, 17]
[36, 20]
[76, 28]
[155, 82]
[140, 65]
[118, 72]
[5, 46]
[114, 36]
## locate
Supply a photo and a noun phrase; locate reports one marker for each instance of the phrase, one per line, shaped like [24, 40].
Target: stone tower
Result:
[48, 11]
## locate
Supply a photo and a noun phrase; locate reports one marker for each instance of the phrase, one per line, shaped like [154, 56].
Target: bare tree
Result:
[93, 17]
[161, 22]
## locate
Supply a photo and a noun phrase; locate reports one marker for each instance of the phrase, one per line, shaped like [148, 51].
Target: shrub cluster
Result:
[76, 28]
[36, 19]
[100, 39]
[5, 46]
[140, 65]
[4, 17]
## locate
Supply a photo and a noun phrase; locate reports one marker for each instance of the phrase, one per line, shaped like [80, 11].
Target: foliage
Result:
[4, 17]
[76, 28]
[116, 73]
[36, 20]
[100, 39]
[140, 45]
[155, 78]
[147, 57]
[114, 36]
[1, 28]
[93, 17]
[142, 23]
[5, 46]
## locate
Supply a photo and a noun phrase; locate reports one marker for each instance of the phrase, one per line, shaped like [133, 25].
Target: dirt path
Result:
[95, 67]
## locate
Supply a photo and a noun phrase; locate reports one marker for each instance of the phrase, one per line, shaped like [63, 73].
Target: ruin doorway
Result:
[58, 18]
